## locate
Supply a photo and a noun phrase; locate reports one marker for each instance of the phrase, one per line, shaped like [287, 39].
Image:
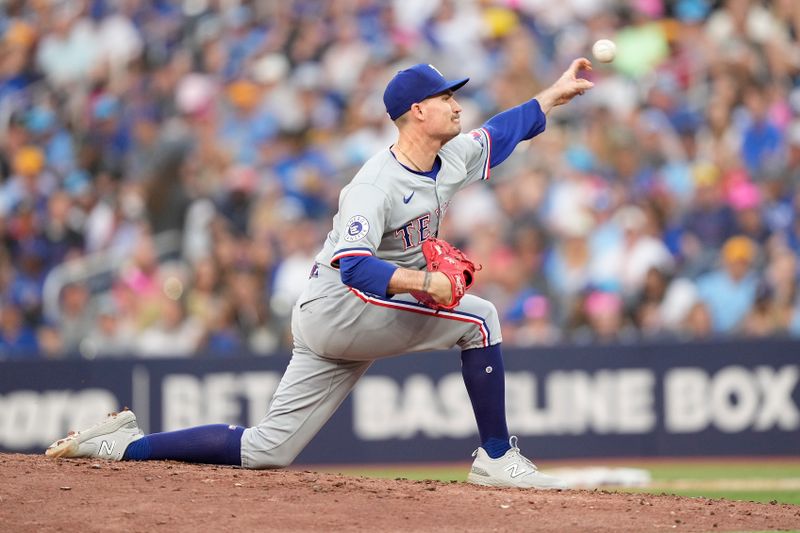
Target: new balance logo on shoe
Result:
[514, 470]
[106, 448]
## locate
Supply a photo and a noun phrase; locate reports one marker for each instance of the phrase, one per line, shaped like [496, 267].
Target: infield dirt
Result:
[41, 494]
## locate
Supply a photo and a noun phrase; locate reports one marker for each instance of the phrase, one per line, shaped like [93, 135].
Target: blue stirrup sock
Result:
[217, 444]
[484, 378]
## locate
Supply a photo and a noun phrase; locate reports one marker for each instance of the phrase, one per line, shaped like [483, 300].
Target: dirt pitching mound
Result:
[41, 494]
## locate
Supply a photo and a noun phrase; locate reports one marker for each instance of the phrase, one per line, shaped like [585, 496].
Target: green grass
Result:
[717, 474]
[722, 470]
[691, 478]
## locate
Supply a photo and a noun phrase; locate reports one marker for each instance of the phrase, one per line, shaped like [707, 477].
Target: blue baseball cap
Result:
[415, 84]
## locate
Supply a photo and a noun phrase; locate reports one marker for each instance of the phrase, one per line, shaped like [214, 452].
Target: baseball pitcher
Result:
[383, 284]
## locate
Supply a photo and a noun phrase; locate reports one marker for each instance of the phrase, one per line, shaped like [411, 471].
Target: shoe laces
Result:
[515, 451]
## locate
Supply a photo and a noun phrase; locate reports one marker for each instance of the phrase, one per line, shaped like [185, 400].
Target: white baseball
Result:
[604, 50]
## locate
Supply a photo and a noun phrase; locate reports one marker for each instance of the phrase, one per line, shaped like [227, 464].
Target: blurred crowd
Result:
[169, 168]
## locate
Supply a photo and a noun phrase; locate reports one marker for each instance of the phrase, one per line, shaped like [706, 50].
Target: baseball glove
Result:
[443, 257]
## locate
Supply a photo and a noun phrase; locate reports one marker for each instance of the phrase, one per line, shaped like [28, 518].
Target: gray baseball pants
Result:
[338, 332]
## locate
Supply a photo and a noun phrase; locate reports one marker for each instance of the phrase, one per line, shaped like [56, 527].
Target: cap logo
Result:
[436, 70]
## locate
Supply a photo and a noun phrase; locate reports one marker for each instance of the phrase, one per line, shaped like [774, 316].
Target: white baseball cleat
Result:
[511, 470]
[105, 440]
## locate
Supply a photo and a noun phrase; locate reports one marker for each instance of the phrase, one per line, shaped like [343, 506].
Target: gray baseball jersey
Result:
[385, 211]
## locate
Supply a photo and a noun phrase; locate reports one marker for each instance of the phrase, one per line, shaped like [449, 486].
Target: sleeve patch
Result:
[477, 136]
[357, 228]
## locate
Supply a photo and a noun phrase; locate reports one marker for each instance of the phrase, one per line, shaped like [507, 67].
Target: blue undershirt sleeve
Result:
[513, 125]
[367, 273]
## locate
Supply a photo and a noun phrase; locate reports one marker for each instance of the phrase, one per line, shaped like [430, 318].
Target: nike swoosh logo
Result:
[407, 199]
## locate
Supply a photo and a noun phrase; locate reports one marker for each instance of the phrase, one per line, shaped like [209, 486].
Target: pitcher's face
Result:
[442, 115]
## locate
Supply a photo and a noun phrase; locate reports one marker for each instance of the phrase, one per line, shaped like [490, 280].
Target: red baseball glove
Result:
[443, 257]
